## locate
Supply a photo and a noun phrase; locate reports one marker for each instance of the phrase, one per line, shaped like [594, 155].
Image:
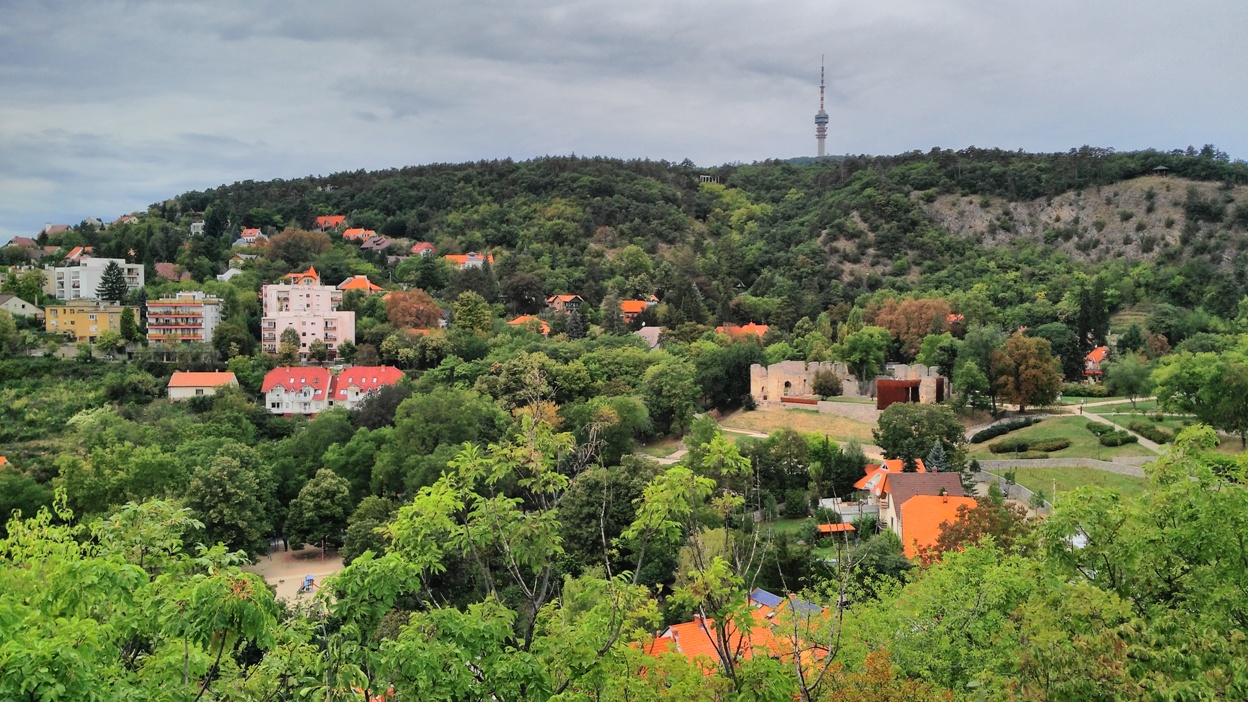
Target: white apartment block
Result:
[80, 282]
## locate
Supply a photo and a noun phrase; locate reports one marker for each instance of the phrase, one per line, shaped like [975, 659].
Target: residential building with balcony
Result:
[84, 320]
[190, 317]
[81, 281]
[301, 303]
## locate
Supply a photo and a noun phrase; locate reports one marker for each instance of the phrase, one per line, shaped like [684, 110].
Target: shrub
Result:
[748, 404]
[808, 532]
[1030, 455]
[826, 384]
[795, 505]
[1025, 446]
[1098, 428]
[1084, 390]
[1003, 428]
[1151, 432]
[1118, 438]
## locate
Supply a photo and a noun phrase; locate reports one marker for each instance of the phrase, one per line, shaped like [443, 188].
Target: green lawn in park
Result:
[1084, 444]
[1042, 479]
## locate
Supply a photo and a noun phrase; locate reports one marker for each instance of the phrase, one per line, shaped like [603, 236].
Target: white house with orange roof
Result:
[184, 385]
[564, 303]
[353, 385]
[469, 260]
[290, 390]
[1093, 363]
[301, 303]
[251, 237]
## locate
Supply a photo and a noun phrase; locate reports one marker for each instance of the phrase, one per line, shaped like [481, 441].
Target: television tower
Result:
[821, 117]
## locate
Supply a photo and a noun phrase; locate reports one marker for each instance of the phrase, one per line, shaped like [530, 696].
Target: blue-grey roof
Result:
[765, 598]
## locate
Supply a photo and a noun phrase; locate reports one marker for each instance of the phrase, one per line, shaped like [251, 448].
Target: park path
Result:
[1150, 445]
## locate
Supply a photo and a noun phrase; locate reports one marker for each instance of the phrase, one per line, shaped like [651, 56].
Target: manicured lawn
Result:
[1140, 408]
[1084, 444]
[804, 421]
[1076, 401]
[1070, 478]
[853, 400]
[662, 448]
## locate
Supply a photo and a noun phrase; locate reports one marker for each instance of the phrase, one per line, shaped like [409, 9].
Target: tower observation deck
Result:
[821, 117]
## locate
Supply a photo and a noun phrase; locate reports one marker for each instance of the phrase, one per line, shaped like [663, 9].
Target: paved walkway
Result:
[1150, 445]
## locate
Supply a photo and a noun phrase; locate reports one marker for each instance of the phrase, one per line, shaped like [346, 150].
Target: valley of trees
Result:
[504, 537]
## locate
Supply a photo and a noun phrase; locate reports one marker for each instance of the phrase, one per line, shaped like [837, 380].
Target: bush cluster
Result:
[1152, 432]
[1028, 445]
[1085, 390]
[996, 430]
[1098, 428]
[1118, 438]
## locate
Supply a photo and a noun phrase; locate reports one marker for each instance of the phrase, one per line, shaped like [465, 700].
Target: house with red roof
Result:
[359, 282]
[358, 234]
[79, 252]
[184, 385]
[564, 303]
[22, 242]
[925, 517]
[308, 277]
[895, 489]
[424, 249]
[736, 332]
[171, 271]
[251, 238]
[531, 321]
[469, 260]
[1095, 360]
[354, 384]
[291, 390]
[330, 221]
[632, 308]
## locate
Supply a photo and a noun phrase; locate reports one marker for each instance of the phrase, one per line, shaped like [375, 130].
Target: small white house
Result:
[185, 385]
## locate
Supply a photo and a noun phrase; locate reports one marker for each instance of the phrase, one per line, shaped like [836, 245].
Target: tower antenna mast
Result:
[821, 117]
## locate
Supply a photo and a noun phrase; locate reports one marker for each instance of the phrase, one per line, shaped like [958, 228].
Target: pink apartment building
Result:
[301, 303]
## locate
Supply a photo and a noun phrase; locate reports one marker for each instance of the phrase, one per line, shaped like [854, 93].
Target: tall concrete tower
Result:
[821, 117]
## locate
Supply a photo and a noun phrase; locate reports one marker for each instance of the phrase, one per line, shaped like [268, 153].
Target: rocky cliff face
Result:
[1137, 219]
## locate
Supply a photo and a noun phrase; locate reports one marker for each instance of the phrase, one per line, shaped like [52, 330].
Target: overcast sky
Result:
[107, 106]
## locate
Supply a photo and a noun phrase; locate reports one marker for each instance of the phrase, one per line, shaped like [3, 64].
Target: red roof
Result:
[423, 246]
[1098, 354]
[251, 233]
[3, 460]
[78, 252]
[357, 233]
[308, 274]
[461, 260]
[633, 306]
[366, 378]
[330, 221]
[875, 472]
[527, 319]
[294, 378]
[564, 298]
[359, 282]
[735, 331]
[185, 379]
[922, 516]
[169, 271]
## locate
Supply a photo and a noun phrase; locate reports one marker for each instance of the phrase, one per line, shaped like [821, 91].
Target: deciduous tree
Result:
[413, 309]
[1029, 374]
[319, 514]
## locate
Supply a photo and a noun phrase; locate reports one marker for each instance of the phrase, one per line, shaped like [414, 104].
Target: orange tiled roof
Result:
[875, 472]
[462, 259]
[357, 233]
[1098, 354]
[633, 306]
[922, 516]
[524, 320]
[359, 282]
[3, 460]
[835, 528]
[953, 318]
[184, 379]
[734, 331]
[564, 298]
[330, 221]
[310, 273]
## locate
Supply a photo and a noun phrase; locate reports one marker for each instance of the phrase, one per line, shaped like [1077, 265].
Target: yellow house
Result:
[84, 319]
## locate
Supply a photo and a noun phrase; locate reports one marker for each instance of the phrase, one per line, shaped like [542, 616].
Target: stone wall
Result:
[796, 379]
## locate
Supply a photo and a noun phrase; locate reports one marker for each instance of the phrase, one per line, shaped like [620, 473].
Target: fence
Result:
[1013, 490]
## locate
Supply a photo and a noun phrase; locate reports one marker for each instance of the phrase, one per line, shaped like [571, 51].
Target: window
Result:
[91, 317]
[199, 391]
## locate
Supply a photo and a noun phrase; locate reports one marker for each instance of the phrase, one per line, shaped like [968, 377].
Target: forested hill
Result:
[771, 242]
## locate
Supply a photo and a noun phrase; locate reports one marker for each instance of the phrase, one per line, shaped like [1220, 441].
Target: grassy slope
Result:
[805, 421]
[1084, 444]
[1070, 478]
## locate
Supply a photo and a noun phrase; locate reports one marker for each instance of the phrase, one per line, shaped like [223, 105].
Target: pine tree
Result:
[612, 317]
[937, 461]
[576, 325]
[112, 285]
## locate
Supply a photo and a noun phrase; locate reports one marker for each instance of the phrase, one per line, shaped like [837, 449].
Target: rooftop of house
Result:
[359, 282]
[835, 528]
[903, 486]
[526, 319]
[634, 306]
[874, 472]
[171, 271]
[293, 378]
[330, 221]
[304, 277]
[423, 246]
[357, 233]
[564, 298]
[364, 378]
[1098, 354]
[734, 330]
[187, 379]
[377, 243]
[462, 259]
[924, 515]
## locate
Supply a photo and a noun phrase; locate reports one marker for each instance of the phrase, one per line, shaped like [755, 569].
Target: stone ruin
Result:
[795, 379]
